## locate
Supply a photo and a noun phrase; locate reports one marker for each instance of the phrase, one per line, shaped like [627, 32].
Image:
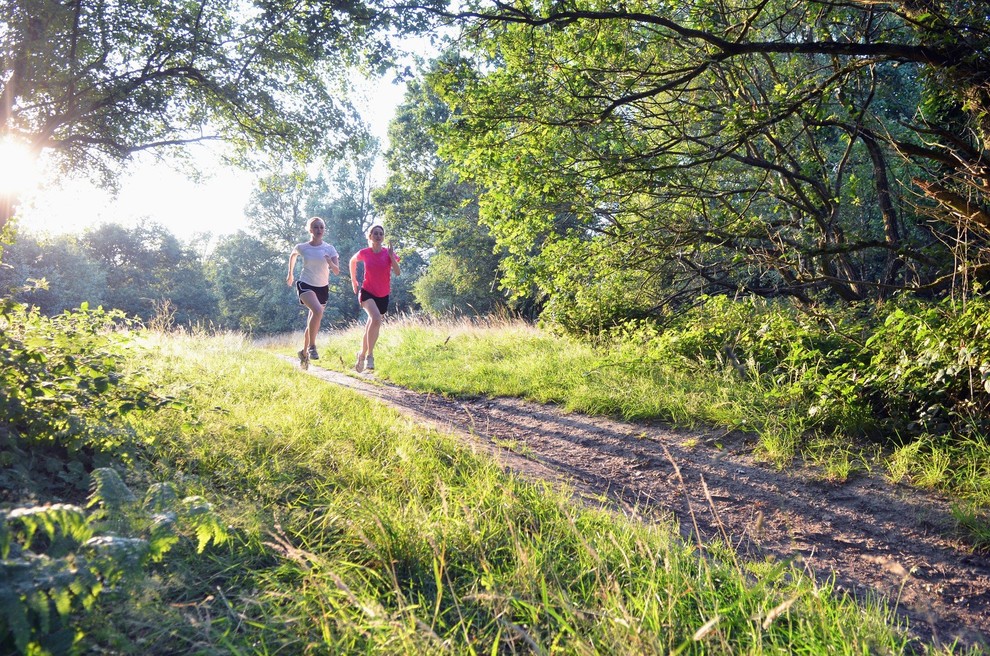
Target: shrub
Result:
[924, 369]
[58, 559]
[904, 369]
[60, 387]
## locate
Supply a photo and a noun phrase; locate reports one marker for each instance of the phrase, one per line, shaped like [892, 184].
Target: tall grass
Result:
[633, 380]
[512, 358]
[356, 531]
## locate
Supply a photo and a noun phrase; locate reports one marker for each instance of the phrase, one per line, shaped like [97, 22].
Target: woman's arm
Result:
[333, 261]
[394, 261]
[292, 265]
[353, 270]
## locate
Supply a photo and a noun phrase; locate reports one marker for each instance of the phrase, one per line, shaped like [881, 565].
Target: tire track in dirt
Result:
[875, 538]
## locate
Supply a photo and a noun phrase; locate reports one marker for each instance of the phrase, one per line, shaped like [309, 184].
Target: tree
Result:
[143, 271]
[249, 277]
[274, 211]
[72, 277]
[432, 210]
[149, 271]
[775, 149]
[90, 82]
[342, 197]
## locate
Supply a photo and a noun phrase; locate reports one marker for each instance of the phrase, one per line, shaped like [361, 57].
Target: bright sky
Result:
[157, 192]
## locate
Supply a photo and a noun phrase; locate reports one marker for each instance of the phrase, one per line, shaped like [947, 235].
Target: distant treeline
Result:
[236, 283]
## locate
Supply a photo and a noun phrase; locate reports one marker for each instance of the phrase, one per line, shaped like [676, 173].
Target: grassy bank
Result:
[354, 530]
[509, 358]
[351, 530]
[627, 378]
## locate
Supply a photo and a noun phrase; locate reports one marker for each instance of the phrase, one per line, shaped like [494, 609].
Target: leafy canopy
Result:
[795, 149]
[91, 82]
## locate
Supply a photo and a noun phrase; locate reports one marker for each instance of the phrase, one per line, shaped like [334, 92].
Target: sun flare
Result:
[18, 167]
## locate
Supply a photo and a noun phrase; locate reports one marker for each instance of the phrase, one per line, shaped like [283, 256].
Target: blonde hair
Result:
[312, 220]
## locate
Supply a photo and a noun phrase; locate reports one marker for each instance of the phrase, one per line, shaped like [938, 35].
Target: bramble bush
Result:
[903, 369]
[759, 339]
[61, 388]
[925, 369]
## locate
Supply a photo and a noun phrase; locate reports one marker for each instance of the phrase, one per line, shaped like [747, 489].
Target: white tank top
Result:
[316, 271]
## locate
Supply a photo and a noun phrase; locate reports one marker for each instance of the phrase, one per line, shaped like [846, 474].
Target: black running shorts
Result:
[380, 301]
[322, 293]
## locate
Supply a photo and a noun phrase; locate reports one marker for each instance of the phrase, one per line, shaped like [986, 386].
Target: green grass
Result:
[354, 530]
[511, 358]
[508, 358]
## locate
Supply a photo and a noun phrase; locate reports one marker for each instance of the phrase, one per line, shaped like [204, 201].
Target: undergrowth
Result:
[72, 532]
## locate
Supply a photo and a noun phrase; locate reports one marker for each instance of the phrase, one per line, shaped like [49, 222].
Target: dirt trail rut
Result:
[874, 537]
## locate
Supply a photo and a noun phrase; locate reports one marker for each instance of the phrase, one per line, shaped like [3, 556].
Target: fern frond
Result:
[56, 520]
[107, 489]
[196, 505]
[161, 497]
[14, 615]
[128, 552]
[38, 604]
[207, 523]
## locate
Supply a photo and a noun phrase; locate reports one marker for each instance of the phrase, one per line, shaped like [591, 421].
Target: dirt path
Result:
[876, 538]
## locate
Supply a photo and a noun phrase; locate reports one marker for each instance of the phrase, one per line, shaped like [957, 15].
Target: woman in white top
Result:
[313, 287]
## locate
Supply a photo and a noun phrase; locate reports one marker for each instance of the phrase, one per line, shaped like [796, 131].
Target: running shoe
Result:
[359, 365]
[369, 362]
[313, 355]
[303, 359]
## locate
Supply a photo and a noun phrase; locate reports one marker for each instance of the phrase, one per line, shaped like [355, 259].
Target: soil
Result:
[874, 537]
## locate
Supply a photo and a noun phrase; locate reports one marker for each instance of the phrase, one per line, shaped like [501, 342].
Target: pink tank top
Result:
[377, 271]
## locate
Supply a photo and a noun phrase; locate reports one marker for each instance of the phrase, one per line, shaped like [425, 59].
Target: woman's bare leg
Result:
[312, 303]
[371, 328]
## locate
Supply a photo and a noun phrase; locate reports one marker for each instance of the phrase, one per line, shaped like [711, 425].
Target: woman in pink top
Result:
[379, 265]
